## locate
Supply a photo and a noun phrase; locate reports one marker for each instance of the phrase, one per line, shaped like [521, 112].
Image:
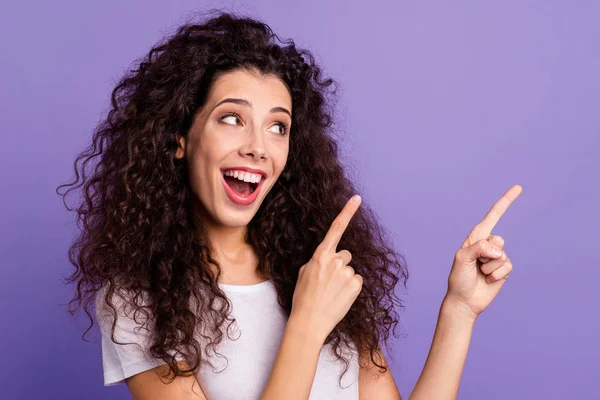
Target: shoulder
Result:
[372, 382]
[122, 317]
[154, 384]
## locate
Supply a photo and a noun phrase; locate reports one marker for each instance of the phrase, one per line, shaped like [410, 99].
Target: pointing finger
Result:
[484, 228]
[340, 223]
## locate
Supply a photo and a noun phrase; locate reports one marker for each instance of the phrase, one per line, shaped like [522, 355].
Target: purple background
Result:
[446, 105]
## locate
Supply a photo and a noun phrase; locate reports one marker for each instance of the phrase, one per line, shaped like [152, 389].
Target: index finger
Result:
[484, 228]
[340, 223]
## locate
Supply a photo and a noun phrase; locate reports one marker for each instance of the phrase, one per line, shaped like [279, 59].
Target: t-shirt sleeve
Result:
[121, 361]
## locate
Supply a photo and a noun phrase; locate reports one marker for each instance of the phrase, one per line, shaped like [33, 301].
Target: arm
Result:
[441, 374]
[469, 293]
[149, 386]
[296, 363]
[372, 384]
[324, 292]
[291, 377]
[443, 368]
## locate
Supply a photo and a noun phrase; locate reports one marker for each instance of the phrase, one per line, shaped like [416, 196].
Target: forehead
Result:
[257, 88]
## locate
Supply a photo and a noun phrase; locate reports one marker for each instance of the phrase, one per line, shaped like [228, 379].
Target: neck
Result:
[229, 248]
[226, 240]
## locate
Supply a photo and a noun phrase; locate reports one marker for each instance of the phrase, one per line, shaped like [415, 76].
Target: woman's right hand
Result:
[327, 286]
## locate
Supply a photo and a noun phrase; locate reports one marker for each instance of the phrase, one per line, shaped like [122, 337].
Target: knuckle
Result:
[346, 255]
[321, 256]
[338, 264]
[357, 281]
[501, 272]
[470, 239]
[460, 254]
[321, 273]
[478, 230]
[349, 271]
[316, 259]
[320, 262]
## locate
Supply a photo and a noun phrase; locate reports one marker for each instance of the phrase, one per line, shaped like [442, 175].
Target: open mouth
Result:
[241, 188]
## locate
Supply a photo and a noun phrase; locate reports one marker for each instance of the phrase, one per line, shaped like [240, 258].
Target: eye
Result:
[230, 115]
[284, 128]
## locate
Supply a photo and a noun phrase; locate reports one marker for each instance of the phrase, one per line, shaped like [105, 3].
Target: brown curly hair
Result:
[138, 231]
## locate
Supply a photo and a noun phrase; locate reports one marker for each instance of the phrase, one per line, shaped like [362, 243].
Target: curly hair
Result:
[137, 228]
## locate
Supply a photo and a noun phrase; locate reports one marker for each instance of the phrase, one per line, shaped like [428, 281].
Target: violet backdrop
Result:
[445, 106]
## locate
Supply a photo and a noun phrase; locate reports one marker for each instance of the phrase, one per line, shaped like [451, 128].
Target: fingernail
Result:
[497, 252]
[356, 199]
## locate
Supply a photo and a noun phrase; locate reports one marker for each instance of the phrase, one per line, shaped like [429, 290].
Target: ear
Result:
[180, 153]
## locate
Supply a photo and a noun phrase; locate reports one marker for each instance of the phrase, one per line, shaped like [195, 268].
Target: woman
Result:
[222, 246]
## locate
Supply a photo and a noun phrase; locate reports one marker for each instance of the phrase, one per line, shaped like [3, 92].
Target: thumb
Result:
[497, 241]
[482, 249]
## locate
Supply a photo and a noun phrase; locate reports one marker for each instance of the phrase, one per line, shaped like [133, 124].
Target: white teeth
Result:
[244, 176]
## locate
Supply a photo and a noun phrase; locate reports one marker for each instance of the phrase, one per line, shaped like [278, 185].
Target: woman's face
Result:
[241, 134]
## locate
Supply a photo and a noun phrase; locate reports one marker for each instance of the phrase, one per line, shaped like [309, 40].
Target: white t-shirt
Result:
[244, 368]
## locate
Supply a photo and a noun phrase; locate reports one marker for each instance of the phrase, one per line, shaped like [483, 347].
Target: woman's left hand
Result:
[478, 274]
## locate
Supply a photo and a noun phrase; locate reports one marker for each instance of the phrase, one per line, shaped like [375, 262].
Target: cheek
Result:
[201, 167]
[207, 153]
[280, 156]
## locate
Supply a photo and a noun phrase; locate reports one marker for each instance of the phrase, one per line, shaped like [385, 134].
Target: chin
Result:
[234, 220]
[231, 216]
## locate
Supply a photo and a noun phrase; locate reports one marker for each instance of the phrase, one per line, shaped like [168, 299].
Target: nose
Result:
[255, 145]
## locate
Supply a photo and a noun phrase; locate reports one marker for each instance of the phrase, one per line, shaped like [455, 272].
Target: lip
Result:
[247, 169]
[233, 196]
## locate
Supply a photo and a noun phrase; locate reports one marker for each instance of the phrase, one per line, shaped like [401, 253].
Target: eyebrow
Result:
[246, 103]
